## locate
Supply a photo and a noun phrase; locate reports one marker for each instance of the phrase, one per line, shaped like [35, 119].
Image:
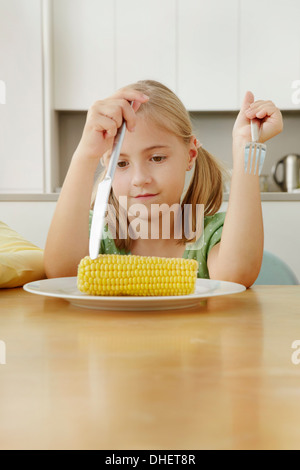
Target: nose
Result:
[141, 176]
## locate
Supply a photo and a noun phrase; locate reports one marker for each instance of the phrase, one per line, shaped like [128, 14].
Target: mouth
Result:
[145, 196]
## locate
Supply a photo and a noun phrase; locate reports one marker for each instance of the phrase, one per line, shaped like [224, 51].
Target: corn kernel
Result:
[136, 275]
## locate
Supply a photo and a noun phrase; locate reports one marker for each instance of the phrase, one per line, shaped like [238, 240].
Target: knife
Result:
[103, 193]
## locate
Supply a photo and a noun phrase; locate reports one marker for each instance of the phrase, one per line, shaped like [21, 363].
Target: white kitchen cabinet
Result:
[208, 54]
[270, 49]
[100, 46]
[21, 117]
[281, 230]
[145, 41]
[84, 52]
[31, 219]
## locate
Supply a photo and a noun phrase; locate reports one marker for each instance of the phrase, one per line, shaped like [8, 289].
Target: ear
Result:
[193, 151]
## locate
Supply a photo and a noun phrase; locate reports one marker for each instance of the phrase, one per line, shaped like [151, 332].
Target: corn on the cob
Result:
[136, 275]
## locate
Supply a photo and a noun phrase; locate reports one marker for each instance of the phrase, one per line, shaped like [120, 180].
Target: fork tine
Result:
[246, 157]
[257, 159]
[252, 149]
[254, 158]
[262, 159]
[255, 152]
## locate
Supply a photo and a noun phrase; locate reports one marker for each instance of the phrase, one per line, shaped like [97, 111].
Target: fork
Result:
[254, 149]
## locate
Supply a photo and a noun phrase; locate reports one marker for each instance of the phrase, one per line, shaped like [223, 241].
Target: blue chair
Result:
[274, 271]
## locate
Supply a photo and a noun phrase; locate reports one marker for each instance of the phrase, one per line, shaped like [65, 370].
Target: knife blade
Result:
[102, 196]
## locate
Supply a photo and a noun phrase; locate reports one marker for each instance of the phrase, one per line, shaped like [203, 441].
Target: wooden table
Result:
[217, 376]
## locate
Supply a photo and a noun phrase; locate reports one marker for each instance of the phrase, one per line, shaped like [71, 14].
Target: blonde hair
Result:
[166, 110]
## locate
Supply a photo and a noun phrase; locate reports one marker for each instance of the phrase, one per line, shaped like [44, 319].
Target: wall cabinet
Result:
[145, 34]
[209, 53]
[100, 46]
[21, 117]
[83, 49]
[270, 49]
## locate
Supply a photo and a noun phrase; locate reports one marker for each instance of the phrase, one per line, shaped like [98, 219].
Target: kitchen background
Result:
[58, 56]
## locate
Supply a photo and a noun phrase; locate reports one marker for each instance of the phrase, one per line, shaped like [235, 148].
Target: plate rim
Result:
[29, 287]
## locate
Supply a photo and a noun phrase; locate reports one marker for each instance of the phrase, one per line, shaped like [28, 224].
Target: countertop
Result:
[50, 197]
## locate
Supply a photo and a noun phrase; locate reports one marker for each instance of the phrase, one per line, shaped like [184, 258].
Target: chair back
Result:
[274, 271]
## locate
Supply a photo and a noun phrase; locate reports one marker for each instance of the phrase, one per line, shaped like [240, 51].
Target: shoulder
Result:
[214, 221]
[213, 226]
[211, 235]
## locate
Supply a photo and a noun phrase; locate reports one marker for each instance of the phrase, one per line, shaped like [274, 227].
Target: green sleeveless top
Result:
[199, 250]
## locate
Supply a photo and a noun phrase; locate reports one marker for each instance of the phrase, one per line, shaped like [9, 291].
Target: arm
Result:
[68, 237]
[238, 256]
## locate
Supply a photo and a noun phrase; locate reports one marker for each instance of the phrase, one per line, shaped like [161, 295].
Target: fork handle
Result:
[255, 131]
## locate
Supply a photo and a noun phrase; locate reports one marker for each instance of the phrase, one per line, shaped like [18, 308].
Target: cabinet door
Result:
[270, 49]
[83, 37]
[21, 118]
[146, 41]
[208, 54]
[281, 230]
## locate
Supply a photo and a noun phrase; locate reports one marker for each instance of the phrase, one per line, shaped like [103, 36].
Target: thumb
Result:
[248, 99]
[241, 126]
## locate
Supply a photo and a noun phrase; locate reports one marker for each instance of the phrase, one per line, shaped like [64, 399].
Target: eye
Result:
[158, 158]
[122, 164]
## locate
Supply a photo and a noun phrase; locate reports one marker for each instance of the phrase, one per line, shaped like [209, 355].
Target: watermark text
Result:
[2, 352]
[296, 93]
[296, 354]
[159, 221]
[2, 92]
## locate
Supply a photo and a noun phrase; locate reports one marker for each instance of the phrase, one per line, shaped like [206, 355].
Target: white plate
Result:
[66, 288]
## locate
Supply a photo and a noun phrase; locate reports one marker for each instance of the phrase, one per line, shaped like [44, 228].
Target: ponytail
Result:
[206, 186]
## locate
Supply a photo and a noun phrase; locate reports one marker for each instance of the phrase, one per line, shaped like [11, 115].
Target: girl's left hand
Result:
[265, 113]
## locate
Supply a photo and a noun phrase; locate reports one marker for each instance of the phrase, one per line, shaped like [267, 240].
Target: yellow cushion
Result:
[20, 260]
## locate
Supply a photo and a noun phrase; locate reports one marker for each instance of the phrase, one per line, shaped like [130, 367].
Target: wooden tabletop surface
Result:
[222, 375]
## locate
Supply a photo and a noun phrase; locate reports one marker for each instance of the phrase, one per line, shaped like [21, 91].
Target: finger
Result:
[111, 109]
[105, 125]
[266, 111]
[258, 105]
[128, 114]
[261, 111]
[131, 95]
[247, 101]
[116, 109]
[120, 110]
[136, 105]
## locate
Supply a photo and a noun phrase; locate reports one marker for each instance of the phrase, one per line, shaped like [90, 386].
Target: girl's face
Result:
[152, 166]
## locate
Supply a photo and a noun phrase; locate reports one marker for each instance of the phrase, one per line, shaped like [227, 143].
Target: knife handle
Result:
[118, 142]
[116, 151]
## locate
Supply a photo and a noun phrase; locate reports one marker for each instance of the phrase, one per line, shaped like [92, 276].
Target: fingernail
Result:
[146, 97]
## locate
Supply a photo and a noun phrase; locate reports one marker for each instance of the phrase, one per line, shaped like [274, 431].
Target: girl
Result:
[158, 149]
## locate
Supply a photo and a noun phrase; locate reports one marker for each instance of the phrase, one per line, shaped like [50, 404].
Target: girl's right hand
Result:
[264, 112]
[104, 119]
